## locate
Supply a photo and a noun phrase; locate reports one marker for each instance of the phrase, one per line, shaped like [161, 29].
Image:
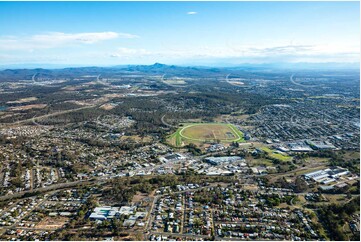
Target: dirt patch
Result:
[23, 100]
[139, 197]
[114, 95]
[236, 83]
[107, 106]
[71, 88]
[136, 138]
[28, 107]
[52, 223]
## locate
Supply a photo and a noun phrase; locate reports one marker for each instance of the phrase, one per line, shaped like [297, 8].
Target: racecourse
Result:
[206, 132]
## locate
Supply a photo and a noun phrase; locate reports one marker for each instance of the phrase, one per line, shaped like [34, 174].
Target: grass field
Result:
[175, 82]
[276, 155]
[205, 132]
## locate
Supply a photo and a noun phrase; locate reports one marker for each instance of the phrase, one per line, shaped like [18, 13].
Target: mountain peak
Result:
[158, 65]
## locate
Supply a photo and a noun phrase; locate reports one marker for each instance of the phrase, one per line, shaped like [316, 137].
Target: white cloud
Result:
[57, 39]
[231, 53]
[192, 13]
[86, 38]
[295, 50]
[130, 53]
[286, 53]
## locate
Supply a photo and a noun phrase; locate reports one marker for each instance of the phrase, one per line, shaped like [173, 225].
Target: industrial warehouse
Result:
[327, 176]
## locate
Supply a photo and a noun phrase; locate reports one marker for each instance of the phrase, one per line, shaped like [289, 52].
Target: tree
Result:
[197, 222]
[300, 184]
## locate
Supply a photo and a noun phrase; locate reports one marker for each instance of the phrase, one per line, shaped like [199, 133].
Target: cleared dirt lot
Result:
[52, 222]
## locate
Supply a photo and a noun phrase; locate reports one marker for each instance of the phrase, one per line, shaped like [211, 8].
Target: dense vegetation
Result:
[334, 216]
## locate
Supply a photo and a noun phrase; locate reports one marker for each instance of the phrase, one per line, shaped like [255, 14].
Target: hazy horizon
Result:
[303, 65]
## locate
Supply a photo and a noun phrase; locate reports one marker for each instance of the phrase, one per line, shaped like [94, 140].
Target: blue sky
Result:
[112, 33]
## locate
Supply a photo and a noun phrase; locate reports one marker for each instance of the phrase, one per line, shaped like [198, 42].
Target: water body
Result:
[2, 108]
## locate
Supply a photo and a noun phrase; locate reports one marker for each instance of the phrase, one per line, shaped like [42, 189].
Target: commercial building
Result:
[222, 159]
[103, 213]
[327, 176]
[320, 145]
[299, 147]
[108, 212]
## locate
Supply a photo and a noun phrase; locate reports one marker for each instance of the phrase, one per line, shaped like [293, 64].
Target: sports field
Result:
[205, 132]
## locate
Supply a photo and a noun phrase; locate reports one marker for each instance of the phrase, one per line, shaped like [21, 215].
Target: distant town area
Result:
[164, 153]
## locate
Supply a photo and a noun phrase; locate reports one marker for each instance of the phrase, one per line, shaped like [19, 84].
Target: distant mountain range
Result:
[159, 66]
[15, 74]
